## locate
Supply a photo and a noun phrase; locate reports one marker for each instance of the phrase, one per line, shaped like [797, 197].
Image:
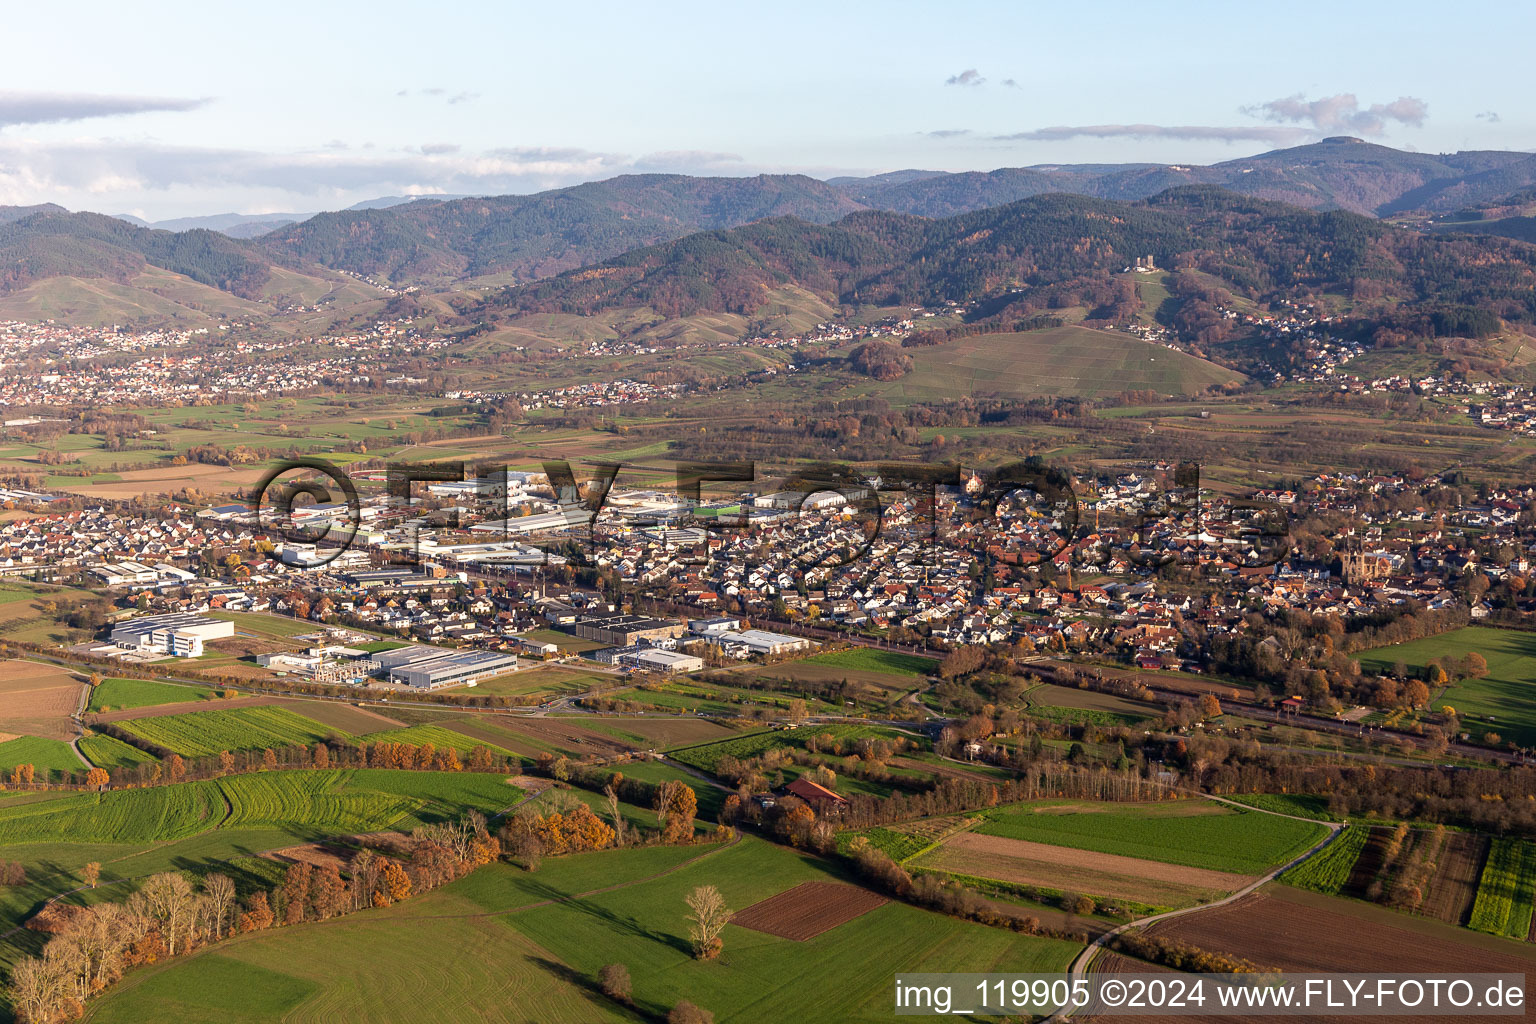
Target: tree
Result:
[219, 891]
[614, 980]
[269, 759]
[708, 920]
[615, 815]
[258, 913]
[226, 762]
[1210, 706]
[675, 805]
[687, 1013]
[91, 874]
[168, 899]
[394, 885]
[97, 778]
[295, 892]
[1416, 694]
[175, 768]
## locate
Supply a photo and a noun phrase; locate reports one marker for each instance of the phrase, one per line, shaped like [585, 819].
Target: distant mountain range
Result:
[845, 237]
[254, 225]
[1051, 251]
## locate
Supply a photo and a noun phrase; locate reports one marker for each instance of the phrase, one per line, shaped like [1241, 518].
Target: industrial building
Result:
[757, 641]
[180, 635]
[621, 630]
[432, 668]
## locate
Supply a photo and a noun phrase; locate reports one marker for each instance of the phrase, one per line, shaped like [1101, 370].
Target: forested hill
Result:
[1338, 173]
[539, 235]
[1052, 251]
[48, 241]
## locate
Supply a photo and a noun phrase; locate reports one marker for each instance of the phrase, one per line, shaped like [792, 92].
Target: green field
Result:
[872, 659]
[110, 752]
[438, 736]
[1503, 701]
[1504, 893]
[1195, 833]
[321, 802]
[1328, 871]
[706, 756]
[125, 694]
[200, 733]
[43, 755]
[1055, 361]
[534, 962]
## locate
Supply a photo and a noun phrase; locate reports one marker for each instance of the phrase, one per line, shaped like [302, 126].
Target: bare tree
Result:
[168, 899]
[219, 891]
[709, 917]
[615, 816]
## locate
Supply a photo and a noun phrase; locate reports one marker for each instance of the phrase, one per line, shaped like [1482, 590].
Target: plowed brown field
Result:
[38, 700]
[1096, 874]
[808, 909]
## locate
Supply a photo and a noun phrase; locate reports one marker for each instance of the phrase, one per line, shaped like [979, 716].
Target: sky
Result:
[177, 109]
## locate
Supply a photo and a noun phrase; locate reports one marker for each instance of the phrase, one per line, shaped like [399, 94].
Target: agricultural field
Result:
[200, 733]
[609, 907]
[829, 739]
[1194, 833]
[1136, 880]
[329, 802]
[1054, 361]
[906, 840]
[808, 909]
[1328, 870]
[125, 694]
[1503, 701]
[873, 659]
[110, 752]
[37, 699]
[46, 756]
[1296, 930]
[438, 736]
[1085, 707]
[546, 681]
[1504, 893]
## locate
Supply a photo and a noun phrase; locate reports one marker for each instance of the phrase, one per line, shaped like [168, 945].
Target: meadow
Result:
[873, 659]
[44, 755]
[1503, 701]
[200, 733]
[1192, 833]
[544, 954]
[125, 694]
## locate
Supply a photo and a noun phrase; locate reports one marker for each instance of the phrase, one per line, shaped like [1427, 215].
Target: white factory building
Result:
[180, 635]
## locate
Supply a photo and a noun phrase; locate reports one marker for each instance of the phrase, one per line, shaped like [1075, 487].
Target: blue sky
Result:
[202, 108]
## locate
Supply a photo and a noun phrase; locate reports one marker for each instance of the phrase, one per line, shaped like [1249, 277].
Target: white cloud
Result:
[1192, 133]
[1342, 112]
[17, 108]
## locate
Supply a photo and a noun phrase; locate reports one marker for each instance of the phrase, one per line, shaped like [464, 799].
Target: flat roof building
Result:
[432, 668]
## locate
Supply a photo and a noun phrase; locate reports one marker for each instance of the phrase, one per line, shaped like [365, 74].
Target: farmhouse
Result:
[813, 794]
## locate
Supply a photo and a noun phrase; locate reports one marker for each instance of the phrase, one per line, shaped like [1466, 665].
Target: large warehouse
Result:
[626, 630]
[180, 634]
[432, 668]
